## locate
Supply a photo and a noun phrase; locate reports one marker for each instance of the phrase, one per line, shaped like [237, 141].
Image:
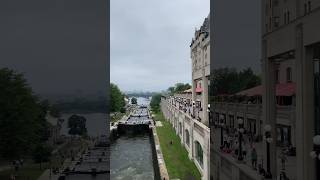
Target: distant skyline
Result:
[149, 42]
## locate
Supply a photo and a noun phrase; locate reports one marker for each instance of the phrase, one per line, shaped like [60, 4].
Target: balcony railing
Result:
[255, 109]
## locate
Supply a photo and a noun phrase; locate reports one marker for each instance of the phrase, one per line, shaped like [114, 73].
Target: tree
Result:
[171, 90]
[155, 102]
[134, 100]
[230, 81]
[117, 99]
[42, 153]
[77, 125]
[22, 116]
[179, 87]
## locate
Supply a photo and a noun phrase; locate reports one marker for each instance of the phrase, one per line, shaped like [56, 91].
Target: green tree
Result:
[77, 125]
[155, 102]
[134, 100]
[117, 99]
[42, 153]
[230, 81]
[171, 90]
[179, 87]
[22, 116]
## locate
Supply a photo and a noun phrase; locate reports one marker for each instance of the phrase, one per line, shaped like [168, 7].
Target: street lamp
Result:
[209, 115]
[269, 140]
[193, 106]
[315, 154]
[221, 126]
[241, 131]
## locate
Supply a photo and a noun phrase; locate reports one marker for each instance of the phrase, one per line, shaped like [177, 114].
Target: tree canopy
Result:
[77, 125]
[117, 99]
[155, 102]
[179, 87]
[134, 100]
[22, 116]
[230, 81]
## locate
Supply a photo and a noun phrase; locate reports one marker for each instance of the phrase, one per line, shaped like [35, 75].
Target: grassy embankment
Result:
[175, 155]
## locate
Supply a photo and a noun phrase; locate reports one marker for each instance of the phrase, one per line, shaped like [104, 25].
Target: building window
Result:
[199, 153]
[289, 74]
[305, 8]
[187, 137]
[283, 135]
[309, 6]
[277, 76]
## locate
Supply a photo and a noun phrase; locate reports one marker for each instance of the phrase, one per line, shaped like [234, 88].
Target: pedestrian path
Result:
[46, 175]
[290, 164]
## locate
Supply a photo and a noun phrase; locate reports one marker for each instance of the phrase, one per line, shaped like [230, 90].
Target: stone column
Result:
[269, 105]
[205, 100]
[304, 108]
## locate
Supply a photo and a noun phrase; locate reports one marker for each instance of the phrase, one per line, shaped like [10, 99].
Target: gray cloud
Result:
[58, 45]
[150, 41]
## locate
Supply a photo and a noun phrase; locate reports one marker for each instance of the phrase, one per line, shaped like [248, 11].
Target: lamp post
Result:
[193, 106]
[221, 126]
[269, 140]
[209, 115]
[241, 130]
[315, 154]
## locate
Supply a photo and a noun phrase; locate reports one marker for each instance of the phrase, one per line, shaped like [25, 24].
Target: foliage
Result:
[134, 100]
[155, 102]
[230, 81]
[22, 116]
[179, 87]
[77, 125]
[42, 153]
[175, 155]
[117, 99]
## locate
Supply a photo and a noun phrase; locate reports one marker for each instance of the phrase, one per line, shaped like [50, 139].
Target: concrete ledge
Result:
[162, 166]
[241, 167]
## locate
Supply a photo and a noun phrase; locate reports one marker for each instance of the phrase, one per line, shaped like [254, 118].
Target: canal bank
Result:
[178, 164]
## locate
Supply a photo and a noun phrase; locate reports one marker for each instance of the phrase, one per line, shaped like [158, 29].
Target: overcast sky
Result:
[59, 45]
[150, 41]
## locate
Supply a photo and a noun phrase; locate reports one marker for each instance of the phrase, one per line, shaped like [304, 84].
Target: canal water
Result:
[131, 156]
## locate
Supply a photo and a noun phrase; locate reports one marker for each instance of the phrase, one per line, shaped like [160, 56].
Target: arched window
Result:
[199, 153]
[187, 137]
[289, 74]
[180, 128]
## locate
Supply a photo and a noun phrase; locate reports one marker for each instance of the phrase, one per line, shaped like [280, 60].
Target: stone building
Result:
[188, 111]
[290, 36]
[200, 56]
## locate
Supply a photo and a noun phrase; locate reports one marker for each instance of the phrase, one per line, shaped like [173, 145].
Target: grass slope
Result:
[175, 155]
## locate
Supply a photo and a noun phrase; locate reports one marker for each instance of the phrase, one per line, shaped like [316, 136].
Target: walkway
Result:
[290, 164]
